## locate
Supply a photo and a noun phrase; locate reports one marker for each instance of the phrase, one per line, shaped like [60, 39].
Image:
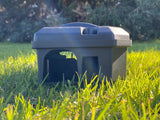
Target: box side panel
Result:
[41, 53]
[119, 62]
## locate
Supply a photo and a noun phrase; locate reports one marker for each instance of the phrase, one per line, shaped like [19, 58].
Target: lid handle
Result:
[78, 24]
[89, 31]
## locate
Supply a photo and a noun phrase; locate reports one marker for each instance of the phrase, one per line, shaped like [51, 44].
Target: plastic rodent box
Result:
[96, 48]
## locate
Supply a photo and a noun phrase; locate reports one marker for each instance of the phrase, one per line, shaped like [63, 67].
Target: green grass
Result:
[14, 50]
[136, 97]
[145, 45]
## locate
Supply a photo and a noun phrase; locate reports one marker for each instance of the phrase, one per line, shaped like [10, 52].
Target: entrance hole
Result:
[59, 65]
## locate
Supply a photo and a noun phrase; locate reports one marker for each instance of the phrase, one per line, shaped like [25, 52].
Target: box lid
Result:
[80, 34]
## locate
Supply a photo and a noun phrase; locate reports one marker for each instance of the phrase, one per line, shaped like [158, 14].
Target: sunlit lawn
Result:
[136, 97]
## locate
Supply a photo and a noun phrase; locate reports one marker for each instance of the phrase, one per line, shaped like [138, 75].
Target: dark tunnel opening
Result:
[60, 65]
